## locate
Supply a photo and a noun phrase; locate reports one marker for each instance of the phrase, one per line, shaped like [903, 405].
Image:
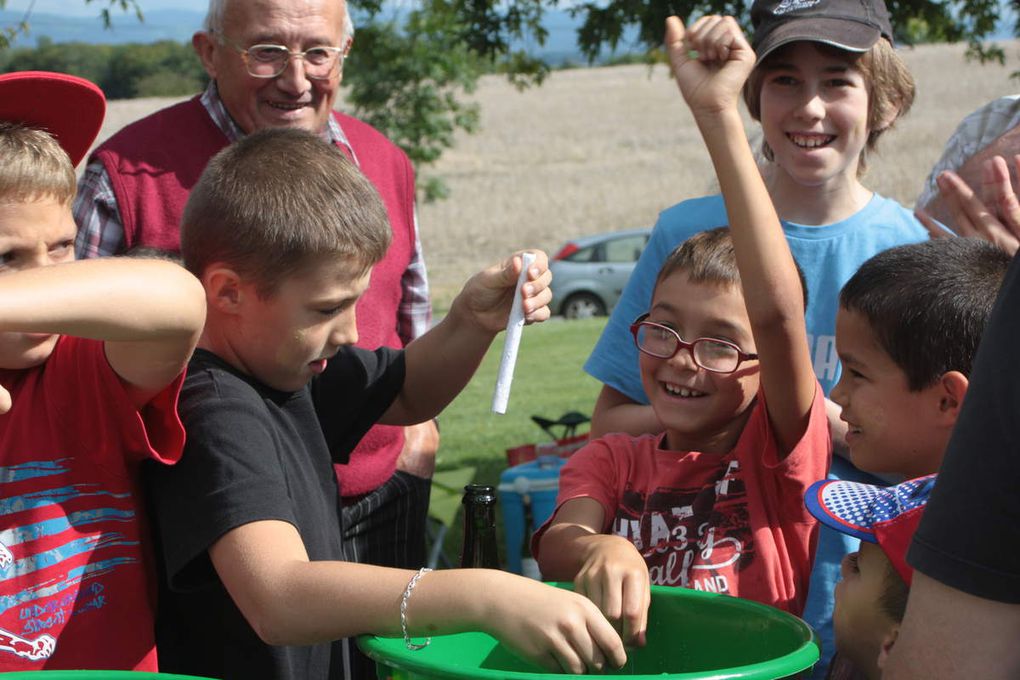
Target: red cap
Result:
[69, 108]
[887, 516]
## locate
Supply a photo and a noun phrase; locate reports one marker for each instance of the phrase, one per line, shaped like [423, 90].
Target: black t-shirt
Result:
[253, 454]
[969, 537]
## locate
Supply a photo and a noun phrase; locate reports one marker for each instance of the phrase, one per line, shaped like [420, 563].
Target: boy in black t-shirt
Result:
[963, 617]
[282, 231]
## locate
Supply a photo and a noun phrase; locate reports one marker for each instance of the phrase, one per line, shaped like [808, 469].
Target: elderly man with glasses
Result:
[279, 63]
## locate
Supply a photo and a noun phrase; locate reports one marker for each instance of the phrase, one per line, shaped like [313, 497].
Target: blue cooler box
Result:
[538, 481]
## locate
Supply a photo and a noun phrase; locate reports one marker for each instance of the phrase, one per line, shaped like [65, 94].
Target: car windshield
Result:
[626, 249]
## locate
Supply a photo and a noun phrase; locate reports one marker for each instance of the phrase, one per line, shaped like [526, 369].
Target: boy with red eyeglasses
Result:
[714, 503]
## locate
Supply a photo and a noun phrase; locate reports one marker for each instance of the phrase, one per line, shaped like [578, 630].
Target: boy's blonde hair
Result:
[276, 201]
[33, 166]
[890, 86]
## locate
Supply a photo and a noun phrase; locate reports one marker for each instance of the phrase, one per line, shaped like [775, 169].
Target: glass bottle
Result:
[480, 548]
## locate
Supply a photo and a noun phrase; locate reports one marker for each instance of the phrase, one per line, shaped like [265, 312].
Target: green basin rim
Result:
[392, 652]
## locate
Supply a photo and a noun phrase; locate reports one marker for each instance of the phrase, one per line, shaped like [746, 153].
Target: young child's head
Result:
[871, 598]
[826, 86]
[907, 328]
[283, 231]
[47, 123]
[702, 392]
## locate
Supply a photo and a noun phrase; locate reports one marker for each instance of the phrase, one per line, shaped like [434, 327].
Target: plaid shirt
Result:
[979, 129]
[101, 231]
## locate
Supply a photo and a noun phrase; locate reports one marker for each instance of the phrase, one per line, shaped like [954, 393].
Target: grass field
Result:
[548, 382]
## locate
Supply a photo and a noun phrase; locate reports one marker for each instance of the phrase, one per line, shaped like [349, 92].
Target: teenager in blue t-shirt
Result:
[821, 109]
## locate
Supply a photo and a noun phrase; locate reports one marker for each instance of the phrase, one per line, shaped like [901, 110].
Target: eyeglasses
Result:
[662, 342]
[269, 61]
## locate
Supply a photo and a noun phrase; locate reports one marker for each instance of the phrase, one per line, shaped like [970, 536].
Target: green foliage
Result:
[167, 84]
[523, 70]
[409, 80]
[134, 63]
[985, 53]
[125, 5]
[9, 33]
[163, 68]
[490, 28]
[80, 59]
[917, 32]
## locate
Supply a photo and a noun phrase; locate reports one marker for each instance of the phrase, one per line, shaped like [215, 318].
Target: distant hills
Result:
[166, 24]
[179, 25]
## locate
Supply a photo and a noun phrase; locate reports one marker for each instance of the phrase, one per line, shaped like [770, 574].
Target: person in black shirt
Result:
[282, 231]
[963, 615]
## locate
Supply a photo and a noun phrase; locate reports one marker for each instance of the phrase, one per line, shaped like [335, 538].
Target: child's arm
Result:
[289, 600]
[711, 85]
[606, 568]
[616, 412]
[440, 362]
[148, 312]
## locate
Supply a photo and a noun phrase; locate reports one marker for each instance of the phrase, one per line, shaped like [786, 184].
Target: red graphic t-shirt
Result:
[76, 586]
[731, 523]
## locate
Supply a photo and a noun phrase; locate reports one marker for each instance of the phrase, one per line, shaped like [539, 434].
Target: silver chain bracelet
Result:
[403, 611]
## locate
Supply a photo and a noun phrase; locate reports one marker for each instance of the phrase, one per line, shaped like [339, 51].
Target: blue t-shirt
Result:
[829, 255]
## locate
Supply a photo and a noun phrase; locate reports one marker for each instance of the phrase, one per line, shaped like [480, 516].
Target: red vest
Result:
[153, 164]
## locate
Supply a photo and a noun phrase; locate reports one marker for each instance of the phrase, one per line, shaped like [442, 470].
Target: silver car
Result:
[589, 273]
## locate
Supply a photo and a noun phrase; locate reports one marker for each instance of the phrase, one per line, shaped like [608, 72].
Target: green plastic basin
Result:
[691, 634]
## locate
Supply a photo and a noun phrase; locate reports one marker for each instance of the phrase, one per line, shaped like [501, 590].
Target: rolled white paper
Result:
[514, 324]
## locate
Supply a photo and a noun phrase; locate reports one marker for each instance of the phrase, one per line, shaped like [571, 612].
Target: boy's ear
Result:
[223, 289]
[888, 117]
[952, 387]
[887, 644]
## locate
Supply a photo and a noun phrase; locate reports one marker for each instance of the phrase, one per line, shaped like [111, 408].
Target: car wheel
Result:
[583, 306]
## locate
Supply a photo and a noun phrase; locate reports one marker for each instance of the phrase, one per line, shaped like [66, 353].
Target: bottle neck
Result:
[480, 548]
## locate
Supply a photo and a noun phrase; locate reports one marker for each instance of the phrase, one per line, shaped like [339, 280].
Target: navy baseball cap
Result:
[69, 108]
[886, 515]
[852, 25]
